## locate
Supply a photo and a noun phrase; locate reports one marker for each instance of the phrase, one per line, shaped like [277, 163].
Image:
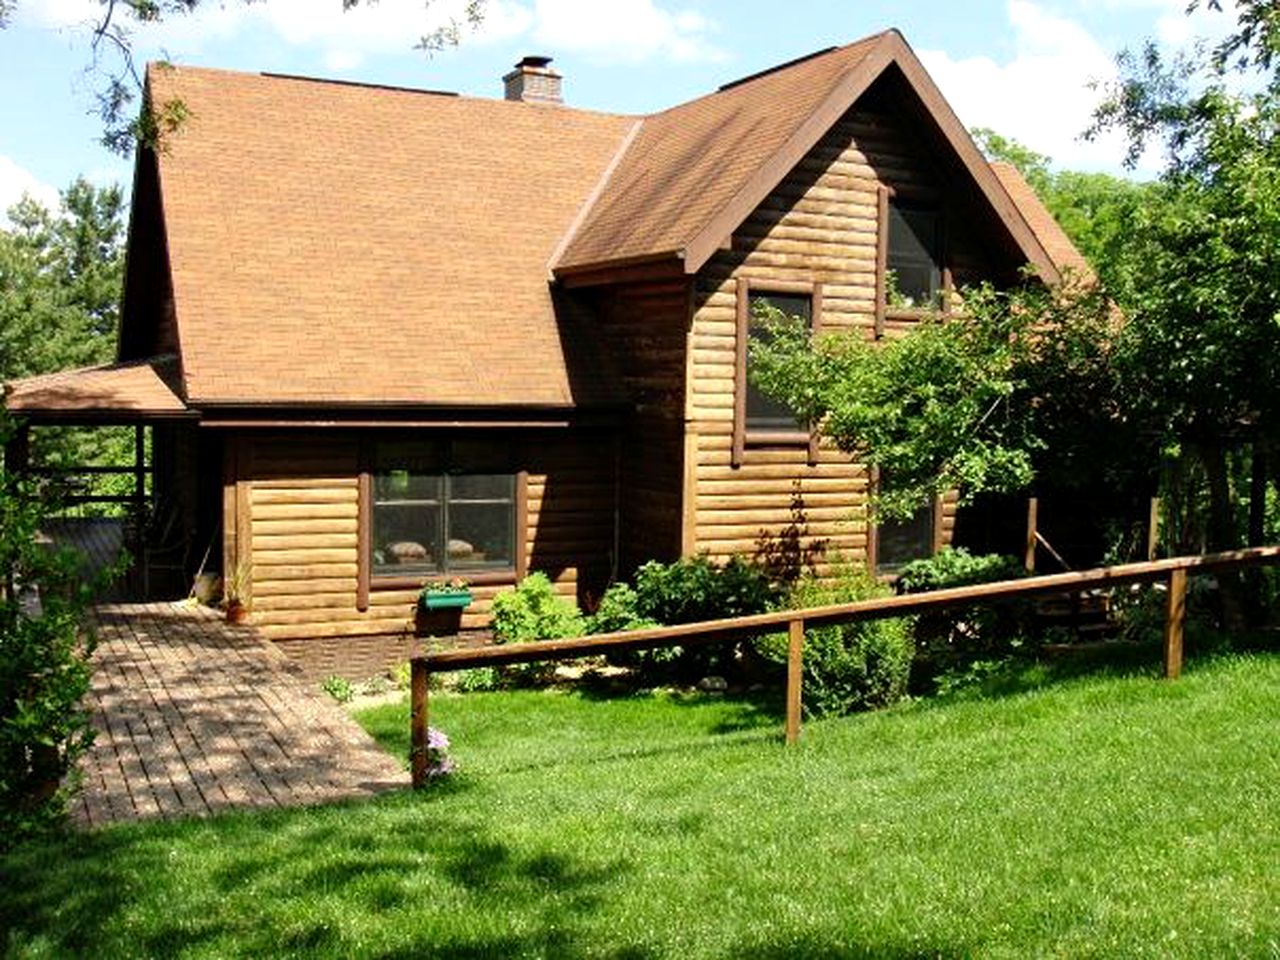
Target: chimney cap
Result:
[537, 61]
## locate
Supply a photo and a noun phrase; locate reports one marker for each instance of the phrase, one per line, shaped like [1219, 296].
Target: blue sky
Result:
[1019, 66]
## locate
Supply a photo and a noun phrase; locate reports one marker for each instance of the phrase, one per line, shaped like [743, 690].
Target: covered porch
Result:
[139, 498]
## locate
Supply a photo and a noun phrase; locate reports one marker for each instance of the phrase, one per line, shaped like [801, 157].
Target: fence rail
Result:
[1174, 570]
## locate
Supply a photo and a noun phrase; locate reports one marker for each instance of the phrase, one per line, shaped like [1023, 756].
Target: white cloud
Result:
[1042, 96]
[629, 30]
[16, 181]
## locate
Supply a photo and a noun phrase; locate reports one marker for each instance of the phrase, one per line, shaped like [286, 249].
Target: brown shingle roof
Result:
[1051, 236]
[114, 391]
[686, 163]
[339, 244]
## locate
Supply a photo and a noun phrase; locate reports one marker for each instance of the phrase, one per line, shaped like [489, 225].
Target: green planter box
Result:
[445, 600]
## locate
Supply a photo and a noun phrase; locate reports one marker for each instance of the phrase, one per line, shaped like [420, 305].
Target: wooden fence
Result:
[1175, 571]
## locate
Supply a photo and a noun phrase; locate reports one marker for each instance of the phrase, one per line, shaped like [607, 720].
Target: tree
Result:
[1095, 209]
[44, 666]
[61, 276]
[111, 48]
[975, 406]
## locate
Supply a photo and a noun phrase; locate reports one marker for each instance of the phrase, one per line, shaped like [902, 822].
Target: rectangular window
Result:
[436, 512]
[764, 415]
[914, 262]
[898, 542]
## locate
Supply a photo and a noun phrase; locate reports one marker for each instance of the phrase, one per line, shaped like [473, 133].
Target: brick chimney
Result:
[532, 81]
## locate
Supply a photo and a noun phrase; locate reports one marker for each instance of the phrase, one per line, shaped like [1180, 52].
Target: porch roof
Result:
[114, 392]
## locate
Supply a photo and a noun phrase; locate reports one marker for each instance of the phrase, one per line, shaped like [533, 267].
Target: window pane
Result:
[914, 258]
[480, 535]
[764, 414]
[901, 541]
[481, 487]
[406, 538]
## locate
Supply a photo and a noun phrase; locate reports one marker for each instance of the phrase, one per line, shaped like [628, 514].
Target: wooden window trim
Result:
[755, 439]
[367, 581]
[883, 312]
[937, 530]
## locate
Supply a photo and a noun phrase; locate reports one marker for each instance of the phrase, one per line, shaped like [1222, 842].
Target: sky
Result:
[1022, 67]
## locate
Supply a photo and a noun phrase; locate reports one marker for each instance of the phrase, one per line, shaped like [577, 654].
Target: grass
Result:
[1106, 815]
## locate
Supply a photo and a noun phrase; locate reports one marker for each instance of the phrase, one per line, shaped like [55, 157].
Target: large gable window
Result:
[911, 270]
[914, 267]
[439, 509]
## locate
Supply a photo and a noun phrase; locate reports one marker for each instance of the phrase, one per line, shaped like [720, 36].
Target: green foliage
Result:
[690, 590]
[957, 567]
[951, 644]
[697, 588]
[618, 611]
[44, 668]
[340, 688]
[852, 666]
[533, 611]
[932, 410]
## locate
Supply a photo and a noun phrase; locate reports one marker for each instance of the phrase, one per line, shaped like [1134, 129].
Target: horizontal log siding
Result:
[303, 533]
[818, 226]
[647, 326]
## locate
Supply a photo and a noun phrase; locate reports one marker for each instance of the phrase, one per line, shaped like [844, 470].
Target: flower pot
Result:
[237, 612]
[445, 600]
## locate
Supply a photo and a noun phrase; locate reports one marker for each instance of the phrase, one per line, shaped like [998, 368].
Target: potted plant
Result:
[235, 593]
[452, 594]
[440, 606]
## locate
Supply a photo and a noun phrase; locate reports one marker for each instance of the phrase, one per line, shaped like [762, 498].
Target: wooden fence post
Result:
[795, 661]
[1033, 511]
[418, 683]
[1175, 614]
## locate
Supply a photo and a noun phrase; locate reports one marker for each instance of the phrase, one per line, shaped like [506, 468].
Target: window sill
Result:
[776, 438]
[911, 313]
[475, 579]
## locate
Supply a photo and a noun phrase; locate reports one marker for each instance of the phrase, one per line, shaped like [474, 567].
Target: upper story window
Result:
[435, 510]
[765, 415]
[913, 266]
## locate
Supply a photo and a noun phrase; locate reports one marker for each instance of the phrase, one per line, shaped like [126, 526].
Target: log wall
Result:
[819, 226]
[647, 326]
[291, 512]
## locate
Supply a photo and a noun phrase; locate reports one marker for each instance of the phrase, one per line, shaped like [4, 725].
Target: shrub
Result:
[693, 589]
[44, 669]
[339, 688]
[533, 611]
[618, 611]
[951, 640]
[850, 666]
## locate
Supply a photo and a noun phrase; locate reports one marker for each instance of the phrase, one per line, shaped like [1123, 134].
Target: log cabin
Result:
[382, 337]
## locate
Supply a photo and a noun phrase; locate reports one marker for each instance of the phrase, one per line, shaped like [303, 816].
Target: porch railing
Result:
[1173, 571]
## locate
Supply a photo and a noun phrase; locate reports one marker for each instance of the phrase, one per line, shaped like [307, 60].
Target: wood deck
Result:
[194, 716]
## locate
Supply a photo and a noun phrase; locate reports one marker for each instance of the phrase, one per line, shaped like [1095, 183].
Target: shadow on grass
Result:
[326, 881]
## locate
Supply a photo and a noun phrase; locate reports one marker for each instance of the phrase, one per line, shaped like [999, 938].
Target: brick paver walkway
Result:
[195, 716]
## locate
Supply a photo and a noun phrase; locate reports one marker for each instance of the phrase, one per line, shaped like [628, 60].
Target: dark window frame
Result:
[743, 436]
[937, 535]
[886, 198]
[369, 579]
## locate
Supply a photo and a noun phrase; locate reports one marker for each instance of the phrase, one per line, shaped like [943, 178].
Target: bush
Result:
[618, 611]
[44, 670]
[694, 589]
[850, 666]
[533, 611]
[952, 640]
[340, 688]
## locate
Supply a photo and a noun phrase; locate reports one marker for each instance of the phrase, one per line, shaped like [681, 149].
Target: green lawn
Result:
[1113, 815]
